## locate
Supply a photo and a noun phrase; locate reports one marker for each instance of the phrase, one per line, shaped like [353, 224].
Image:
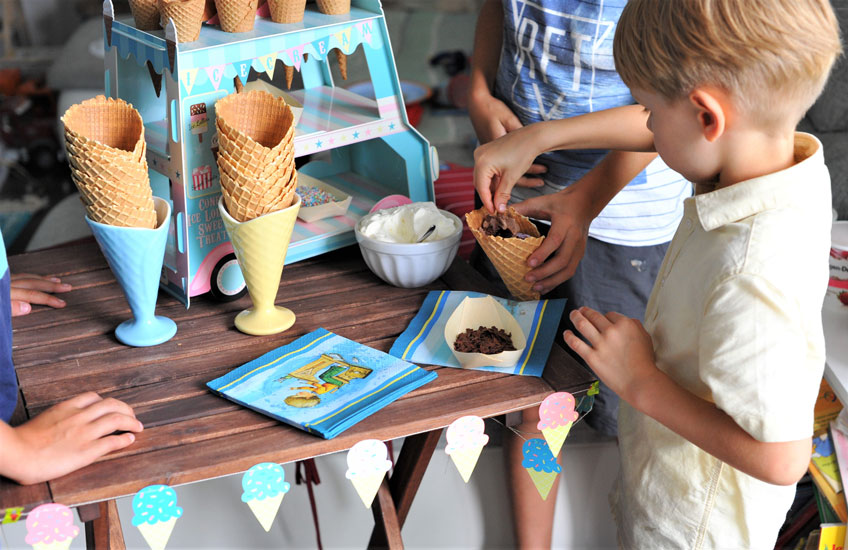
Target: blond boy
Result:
[720, 383]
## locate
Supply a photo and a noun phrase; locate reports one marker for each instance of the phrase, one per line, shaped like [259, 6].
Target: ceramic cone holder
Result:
[260, 246]
[135, 256]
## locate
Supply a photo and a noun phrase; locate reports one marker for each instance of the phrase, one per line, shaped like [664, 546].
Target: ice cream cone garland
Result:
[341, 57]
[155, 514]
[466, 440]
[541, 465]
[507, 239]
[289, 75]
[51, 527]
[264, 487]
[556, 416]
[367, 464]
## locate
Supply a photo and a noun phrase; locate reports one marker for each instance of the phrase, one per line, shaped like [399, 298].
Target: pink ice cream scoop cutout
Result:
[50, 523]
[556, 415]
[557, 410]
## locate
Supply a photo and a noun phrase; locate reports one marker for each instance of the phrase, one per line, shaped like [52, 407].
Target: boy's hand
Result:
[501, 165]
[27, 289]
[492, 119]
[619, 350]
[67, 437]
[556, 259]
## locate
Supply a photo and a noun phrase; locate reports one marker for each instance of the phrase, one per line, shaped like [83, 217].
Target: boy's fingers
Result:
[585, 326]
[44, 285]
[596, 318]
[615, 316]
[579, 346]
[105, 407]
[35, 297]
[529, 181]
[83, 400]
[537, 169]
[20, 308]
[108, 444]
[113, 422]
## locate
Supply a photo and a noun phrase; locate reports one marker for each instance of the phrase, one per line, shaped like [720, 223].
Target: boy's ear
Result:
[712, 114]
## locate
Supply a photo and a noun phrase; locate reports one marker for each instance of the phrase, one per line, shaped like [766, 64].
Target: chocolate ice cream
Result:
[488, 340]
[502, 225]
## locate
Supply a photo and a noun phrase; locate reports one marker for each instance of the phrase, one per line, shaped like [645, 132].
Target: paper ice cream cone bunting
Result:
[155, 514]
[367, 464]
[465, 443]
[264, 487]
[51, 526]
[341, 57]
[541, 464]
[556, 416]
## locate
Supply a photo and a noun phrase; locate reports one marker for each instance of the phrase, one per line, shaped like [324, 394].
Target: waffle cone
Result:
[287, 11]
[289, 75]
[110, 126]
[247, 199]
[112, 205]
[187, 16]
[236, 15]
[342, 59]
[266, 120]
[146, 14]
[509, 256]
[240, 147]
[334, 7]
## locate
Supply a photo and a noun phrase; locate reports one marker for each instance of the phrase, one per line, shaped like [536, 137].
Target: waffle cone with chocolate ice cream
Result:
[508, 253]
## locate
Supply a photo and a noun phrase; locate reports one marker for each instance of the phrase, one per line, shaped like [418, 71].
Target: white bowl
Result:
[409, 265]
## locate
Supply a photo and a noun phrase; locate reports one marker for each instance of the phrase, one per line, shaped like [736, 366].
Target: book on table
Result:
[322, 383]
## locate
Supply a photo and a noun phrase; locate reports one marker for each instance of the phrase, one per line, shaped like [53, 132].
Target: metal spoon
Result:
[426, 234]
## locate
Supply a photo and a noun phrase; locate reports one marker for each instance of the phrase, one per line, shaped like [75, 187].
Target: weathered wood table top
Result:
[191, 434]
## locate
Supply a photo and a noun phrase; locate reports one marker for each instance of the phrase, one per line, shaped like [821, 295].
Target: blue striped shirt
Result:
[8, 381]
[557, 62]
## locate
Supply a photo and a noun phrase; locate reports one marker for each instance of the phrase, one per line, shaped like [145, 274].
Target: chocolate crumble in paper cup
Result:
[486, 312]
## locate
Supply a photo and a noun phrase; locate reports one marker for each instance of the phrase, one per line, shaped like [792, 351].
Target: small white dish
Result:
[327, 210]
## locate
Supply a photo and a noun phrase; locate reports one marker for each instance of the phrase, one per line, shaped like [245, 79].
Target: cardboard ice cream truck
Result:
[364, 147]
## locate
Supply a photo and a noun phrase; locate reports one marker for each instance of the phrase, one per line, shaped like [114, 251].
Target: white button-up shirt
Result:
[735, 318]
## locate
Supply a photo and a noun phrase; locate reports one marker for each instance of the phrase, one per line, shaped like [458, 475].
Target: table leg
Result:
[403, 485]
[104, 532]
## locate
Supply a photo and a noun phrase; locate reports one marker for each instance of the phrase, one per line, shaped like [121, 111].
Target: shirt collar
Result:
[749, 197]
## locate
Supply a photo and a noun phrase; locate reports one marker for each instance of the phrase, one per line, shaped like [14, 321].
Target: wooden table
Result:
[192, 435]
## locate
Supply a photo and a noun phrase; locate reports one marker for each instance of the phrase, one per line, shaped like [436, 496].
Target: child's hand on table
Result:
[27, 289]
[66, 437]
[619, 350]
[502, 164]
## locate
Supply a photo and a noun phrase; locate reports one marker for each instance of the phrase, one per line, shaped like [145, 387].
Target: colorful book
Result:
[824, 458]
[827, 408]
[832, 536]
[840, 448]
[322, 383]
[834, 499]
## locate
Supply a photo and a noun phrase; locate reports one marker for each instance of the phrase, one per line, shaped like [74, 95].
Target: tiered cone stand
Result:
[509, 256]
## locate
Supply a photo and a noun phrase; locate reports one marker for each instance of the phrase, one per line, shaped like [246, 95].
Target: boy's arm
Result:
[499, 164]
[491, 117]
[570, 212]
[65, 437]
[620, 351]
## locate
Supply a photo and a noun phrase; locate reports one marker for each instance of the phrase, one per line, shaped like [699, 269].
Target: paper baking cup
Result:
[474, 313]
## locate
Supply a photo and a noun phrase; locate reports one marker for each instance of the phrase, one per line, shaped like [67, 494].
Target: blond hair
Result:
[772, 56]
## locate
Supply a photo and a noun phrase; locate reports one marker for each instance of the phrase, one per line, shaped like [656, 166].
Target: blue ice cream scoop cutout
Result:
[155, 504]
[265, 480]
[538, 455]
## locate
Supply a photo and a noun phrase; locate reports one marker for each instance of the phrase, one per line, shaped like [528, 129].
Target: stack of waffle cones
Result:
[106, 151]
[146, 14]
[256, 154]
[187, 16]
[287, 11]
[236, 15]
[509, 256]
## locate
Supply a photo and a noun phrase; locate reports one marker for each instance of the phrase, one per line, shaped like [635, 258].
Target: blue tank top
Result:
[556, 62]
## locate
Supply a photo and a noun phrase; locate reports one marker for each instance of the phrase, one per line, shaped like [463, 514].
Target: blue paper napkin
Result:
[423, 341]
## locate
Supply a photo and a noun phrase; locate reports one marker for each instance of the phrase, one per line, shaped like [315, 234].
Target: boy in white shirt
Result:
[720, 382]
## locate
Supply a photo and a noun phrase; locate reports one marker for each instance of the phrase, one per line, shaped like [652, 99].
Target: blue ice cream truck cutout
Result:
[365, 145]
